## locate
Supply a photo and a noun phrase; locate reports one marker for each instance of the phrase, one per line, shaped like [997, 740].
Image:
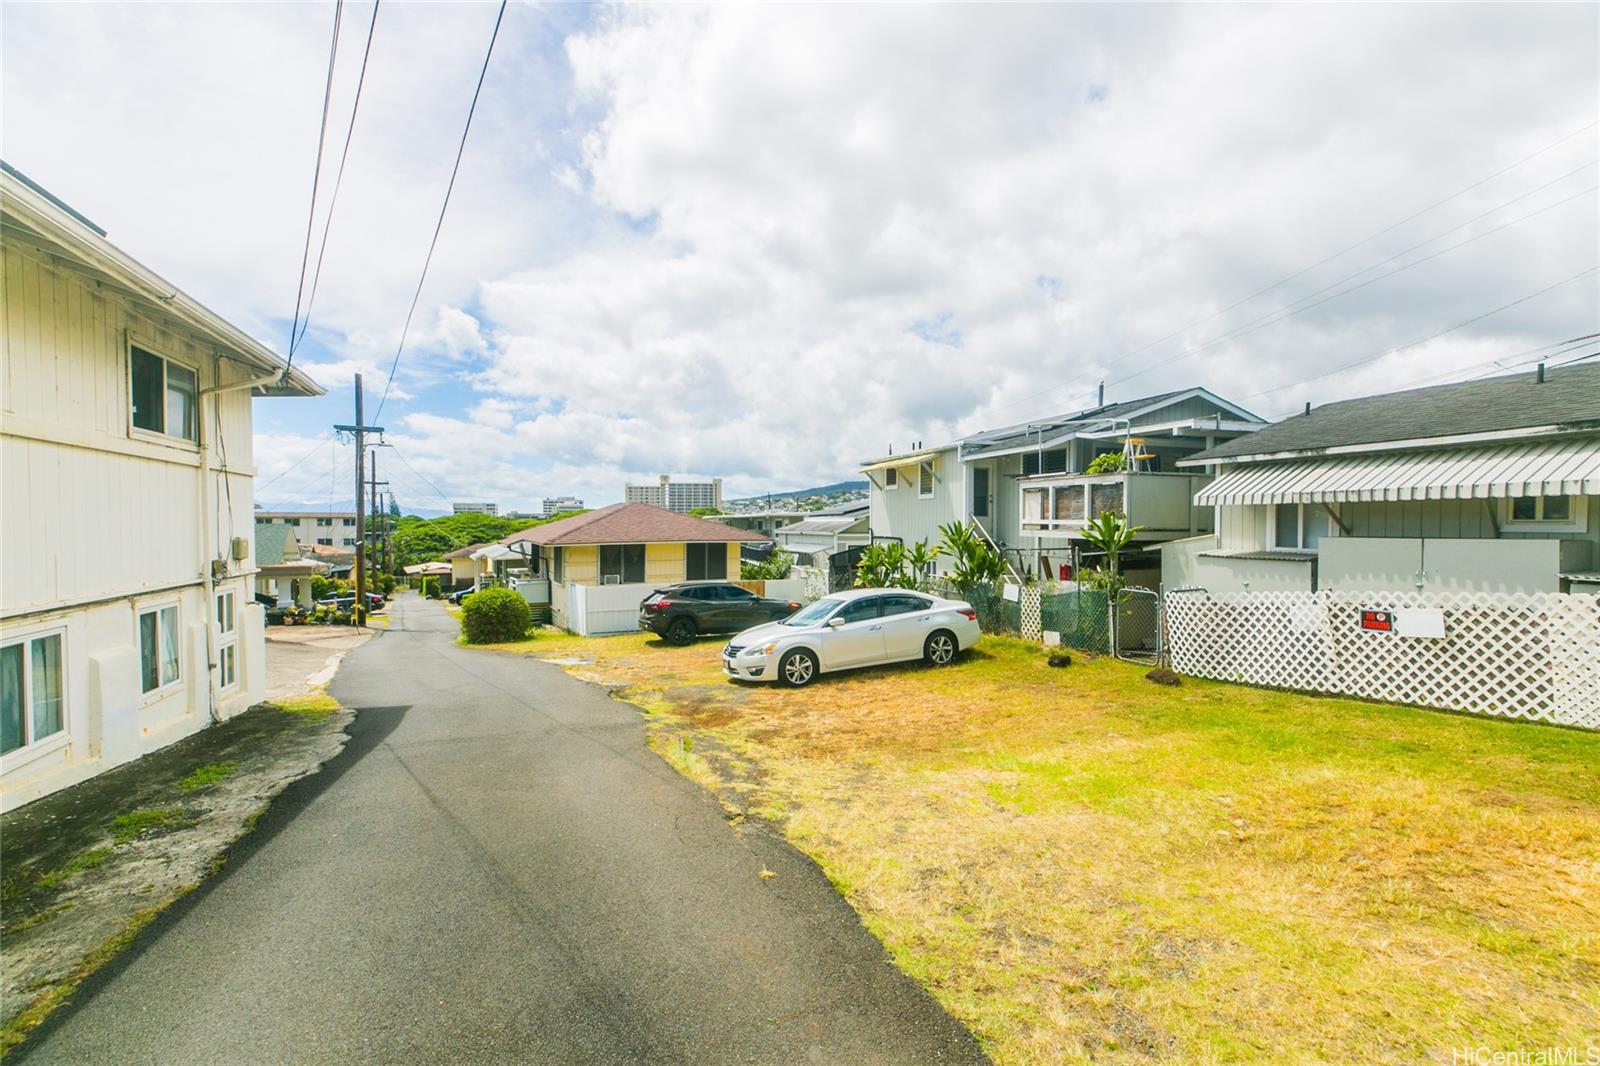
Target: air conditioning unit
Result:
[611, 579]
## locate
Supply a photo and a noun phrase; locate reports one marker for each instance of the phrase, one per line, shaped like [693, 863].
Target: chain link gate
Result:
[1136, 626]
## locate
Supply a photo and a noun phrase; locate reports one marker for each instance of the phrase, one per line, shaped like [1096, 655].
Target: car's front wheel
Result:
[798, 668]
[940, 648]
[681, 631]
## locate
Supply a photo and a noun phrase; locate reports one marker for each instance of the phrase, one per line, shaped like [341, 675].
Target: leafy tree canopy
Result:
[421, 540]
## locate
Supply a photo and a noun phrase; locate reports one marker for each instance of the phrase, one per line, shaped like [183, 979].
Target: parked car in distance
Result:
[689, 609]
[861, 627]
[460, 594]
[347, 600]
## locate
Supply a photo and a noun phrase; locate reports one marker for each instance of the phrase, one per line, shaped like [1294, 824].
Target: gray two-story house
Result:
[1026, 485]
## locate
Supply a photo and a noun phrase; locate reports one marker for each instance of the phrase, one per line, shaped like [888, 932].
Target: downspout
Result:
[204, 524]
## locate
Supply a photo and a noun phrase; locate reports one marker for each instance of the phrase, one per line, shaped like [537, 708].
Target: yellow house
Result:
[601, 563]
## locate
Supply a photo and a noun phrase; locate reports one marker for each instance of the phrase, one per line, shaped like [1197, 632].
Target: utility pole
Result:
[360, 431]
[378, 517]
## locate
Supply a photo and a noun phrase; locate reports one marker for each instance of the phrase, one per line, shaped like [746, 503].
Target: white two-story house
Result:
[126, 561]
[1489, 486]
[1027, 487]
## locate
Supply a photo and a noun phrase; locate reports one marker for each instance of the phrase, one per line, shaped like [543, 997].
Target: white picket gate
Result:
[1532, 656]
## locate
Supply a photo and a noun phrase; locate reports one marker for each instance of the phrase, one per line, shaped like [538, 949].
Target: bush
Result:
[323, 587]
[1108, 463]
[494, 616]
[429, 588]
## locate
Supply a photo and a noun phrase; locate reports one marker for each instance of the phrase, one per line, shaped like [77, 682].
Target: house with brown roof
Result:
[603, 562]
[465, 568]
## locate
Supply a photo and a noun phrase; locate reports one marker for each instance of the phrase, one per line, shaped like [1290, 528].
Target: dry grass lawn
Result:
[1082, 865]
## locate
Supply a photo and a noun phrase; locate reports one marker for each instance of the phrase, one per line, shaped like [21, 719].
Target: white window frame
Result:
[171, 440]
[227, 639]
[925, 473]
[163, 688]
[1577, 520]
[35, 747]
[891, 478]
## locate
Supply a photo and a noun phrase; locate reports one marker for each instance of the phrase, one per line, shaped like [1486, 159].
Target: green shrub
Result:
[429, 588]
[494, 616]
[1108, 463]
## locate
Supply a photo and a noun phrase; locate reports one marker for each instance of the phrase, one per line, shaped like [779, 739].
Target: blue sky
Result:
[769, 242]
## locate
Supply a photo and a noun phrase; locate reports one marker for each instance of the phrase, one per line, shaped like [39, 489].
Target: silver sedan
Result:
[862, 627]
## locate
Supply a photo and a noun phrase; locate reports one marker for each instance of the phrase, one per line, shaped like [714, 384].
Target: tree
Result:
[702, 512]
[775, 567]
[976, 560]
[1111, 533]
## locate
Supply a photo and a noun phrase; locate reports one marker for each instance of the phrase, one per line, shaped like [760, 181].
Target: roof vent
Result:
[1540, 378]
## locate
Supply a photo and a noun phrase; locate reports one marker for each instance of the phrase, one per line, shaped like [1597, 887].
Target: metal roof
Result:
[1534, 468]
[1568, 397]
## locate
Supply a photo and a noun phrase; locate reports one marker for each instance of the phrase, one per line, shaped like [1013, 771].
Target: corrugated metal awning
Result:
[908, 459]
[1536, 468]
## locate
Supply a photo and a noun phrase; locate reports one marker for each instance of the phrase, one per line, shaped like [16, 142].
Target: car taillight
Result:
[794, 606]
[967, 612]
[659, 605]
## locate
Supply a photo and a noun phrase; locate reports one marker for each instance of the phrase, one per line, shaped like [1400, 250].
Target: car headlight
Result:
[766, 650]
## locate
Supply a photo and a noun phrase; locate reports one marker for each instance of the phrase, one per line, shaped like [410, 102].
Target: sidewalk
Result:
[87, 867]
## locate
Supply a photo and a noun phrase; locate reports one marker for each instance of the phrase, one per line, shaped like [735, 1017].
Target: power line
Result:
[294, 464]
[1429, 337]
[439, 225]
[316, 179]
[333, 201]
[1365, 240]
[1272, 318]
[1343, 251]
[419, 474]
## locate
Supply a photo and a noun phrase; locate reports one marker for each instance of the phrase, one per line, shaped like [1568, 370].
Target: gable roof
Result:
[276, 544]
[631, 523]
[464, 553]
[1515, 405]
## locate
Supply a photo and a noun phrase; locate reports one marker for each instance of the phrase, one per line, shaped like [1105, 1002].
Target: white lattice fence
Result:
[1533, 656]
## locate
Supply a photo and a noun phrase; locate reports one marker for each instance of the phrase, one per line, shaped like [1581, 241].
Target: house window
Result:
[706, 562]
[1051, 461]
[621, 564]
[924, 480]
[891, 478]
[349, 542]
[1034, 504]
[324, 521]
[347, 521]
[1299, 526]
[325, 541]
[227, 640]
[158, 648]
[165, 396]
[32, 706]
[1541, 509]
[558, 571]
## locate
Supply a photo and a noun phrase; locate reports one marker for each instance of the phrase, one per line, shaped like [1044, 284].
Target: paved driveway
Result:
[497, 870]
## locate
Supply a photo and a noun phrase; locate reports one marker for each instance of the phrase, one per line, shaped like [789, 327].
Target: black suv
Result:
[682, 612]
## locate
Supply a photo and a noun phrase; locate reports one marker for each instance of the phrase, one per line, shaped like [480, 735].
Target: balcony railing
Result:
[1064, 503]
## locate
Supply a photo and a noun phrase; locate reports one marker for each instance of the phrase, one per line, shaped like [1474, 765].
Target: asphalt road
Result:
[496, 869]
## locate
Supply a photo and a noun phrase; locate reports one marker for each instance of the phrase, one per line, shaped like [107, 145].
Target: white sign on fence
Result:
[1533, 655]
[1012, 592]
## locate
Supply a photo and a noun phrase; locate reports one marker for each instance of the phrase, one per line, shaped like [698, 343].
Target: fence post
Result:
[1032, 611]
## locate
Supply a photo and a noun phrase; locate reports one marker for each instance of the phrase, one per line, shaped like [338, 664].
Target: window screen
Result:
[182, 390]
[1053, 461]
[622, 563]
[706, 562]
[925, 479]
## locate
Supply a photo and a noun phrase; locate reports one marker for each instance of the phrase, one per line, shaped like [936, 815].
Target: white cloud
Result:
[766, 242]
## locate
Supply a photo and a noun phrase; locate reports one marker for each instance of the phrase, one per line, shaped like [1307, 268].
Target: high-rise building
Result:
[680, 496]
[475, 508]
[331, 529]
[557, 504]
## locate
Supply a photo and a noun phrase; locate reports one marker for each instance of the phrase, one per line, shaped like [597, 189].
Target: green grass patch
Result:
[207, 775]
[78, 864]
[316, 705]
[149, 821]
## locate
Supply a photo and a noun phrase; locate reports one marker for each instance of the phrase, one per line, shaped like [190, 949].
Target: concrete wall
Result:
[1186, 564]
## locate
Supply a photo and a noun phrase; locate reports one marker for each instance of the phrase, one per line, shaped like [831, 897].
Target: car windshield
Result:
[813, 613]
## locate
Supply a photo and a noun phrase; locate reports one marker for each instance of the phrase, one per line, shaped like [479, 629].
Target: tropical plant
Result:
[1111, 533]
[494, 616]
[1109, 463]
[890, 564]
[976, 560]
[775, 567]
[429, 588]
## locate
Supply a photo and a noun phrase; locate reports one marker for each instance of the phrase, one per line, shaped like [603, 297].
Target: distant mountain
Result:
[802, 499]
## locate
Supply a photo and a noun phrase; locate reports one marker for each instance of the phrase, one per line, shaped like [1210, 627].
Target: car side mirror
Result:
[835, 622]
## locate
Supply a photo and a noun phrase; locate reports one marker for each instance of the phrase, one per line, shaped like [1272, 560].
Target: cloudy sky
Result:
[769, 242]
